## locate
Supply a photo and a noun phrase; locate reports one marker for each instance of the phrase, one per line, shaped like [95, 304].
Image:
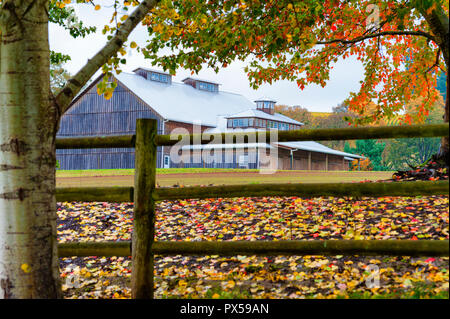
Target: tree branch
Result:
[438, 22]
[74, 84]
[436, 63]
[379, 34]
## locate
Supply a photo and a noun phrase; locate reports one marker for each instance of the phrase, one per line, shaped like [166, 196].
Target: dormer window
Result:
[154, 75]
[266, 105]
[208, 87]
[202, 84]
[159, 77]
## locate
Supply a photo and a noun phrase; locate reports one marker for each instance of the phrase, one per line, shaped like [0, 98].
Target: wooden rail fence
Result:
[144, 194]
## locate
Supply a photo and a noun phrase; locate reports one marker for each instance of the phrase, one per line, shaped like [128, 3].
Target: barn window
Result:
[207, 86]
[163, 78]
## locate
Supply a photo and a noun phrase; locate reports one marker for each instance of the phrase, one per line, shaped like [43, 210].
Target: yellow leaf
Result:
[133, 45]
[215, 296]
[26, 268]
[231, 284]
[107, 95]
[97, 7]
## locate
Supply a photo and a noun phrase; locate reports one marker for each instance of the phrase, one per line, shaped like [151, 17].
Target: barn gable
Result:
[92, 115]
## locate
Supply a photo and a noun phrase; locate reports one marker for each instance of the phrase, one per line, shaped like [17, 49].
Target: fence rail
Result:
[144, 194]
[351, 133]
[126, 194]
[267, 248]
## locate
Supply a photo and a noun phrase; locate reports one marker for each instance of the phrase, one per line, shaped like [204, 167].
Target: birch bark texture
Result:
[28, 125]
[29, 120]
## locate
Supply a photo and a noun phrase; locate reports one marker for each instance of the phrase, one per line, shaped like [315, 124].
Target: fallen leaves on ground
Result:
[267, 218]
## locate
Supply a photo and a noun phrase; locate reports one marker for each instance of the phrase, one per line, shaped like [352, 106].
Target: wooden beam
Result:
[93, 248]
[95, 194]
[125, 194]
[96, 142]
[306, 190]
[351, 133]
[282, 247]
[429, 130]
[144, 210]
[306, 247]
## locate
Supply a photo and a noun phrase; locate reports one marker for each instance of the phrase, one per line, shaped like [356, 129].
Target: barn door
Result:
[166, 161]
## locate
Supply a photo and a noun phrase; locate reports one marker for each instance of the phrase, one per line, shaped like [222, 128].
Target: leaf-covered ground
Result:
[269, 218]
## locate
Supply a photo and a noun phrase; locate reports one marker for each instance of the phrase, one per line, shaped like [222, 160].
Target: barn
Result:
[192, 106]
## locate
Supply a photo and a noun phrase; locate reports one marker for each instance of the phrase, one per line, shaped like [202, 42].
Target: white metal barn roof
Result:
[316, 147]
[183, 103]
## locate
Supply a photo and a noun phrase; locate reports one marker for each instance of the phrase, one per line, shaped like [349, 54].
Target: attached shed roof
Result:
[182, 103]
[316, 147]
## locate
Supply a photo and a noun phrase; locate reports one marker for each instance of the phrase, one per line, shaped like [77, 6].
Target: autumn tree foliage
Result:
[297, 113]
[402, 45]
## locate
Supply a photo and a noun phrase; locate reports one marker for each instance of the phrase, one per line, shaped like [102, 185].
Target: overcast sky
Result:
[344, 78]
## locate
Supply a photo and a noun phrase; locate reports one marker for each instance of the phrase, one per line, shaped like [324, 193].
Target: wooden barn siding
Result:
[223, 163]
[92, 115]
[318, 161]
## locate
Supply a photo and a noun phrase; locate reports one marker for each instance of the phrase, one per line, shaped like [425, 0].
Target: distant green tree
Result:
[371, 149]
[402, 153]
[442, 84]
[410, 152]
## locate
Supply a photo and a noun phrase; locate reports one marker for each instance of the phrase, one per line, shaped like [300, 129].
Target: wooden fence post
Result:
[144, 209]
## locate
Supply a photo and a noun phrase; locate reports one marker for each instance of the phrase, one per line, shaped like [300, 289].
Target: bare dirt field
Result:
[229, 178]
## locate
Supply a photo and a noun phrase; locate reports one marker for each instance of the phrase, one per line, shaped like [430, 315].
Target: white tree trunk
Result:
[29, 119]
[28, 125]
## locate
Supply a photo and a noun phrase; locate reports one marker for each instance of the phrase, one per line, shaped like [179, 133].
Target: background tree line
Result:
[391, 154]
